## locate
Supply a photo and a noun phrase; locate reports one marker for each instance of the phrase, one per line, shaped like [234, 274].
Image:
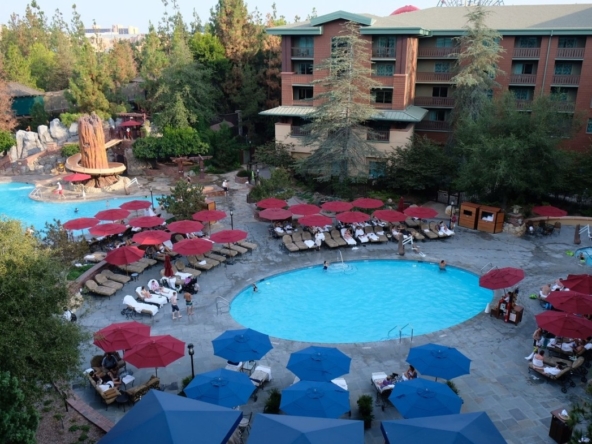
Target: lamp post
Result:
[191, 353]
[451, 214]
[151, 198]
[231, 220]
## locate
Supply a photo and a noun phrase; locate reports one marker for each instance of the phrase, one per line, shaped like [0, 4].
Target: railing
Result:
[527, 53]
[384, 53]
[565, 106]
[378, 135]
[522, 79]
[306, 52]
[570, 53]
[433, 125]
[434, 76]
[401, 334]
[221, 305]
[303, 102]
[447, 102]
[297, 131]
[566, 80]
[524, 104]
[486, 268]
[437, 52]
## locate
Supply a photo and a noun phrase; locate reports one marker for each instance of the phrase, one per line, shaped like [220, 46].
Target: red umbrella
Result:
[146, 221]
[156, 351]
[81, 223]
[153, 237]
[389, 215]
[272, 202]
[315, 220]
[501, 278]
[367, 203]
[124, 255]
[421, 212]
[549, 211]
[168, 267]
[107, 229]
[129, 123]
[209, 215]
[571, 302]
[582, 283]
[76, 177]
[228, 236]
[337, 206]
[135, 205]
[350, 217]
[121, 336]
[188, 247]
[113, 214]
[275, 214]
[185, 226]
[305, 209]
[564, 324]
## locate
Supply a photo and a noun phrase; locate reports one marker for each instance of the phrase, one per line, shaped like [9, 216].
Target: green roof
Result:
[342, 15]
[410, 114]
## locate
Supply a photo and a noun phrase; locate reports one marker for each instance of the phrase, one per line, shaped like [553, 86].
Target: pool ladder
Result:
[222, 305]
[487, 268]
[388, 335]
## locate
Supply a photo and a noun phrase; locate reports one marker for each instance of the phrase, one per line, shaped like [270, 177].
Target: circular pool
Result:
[361, 301]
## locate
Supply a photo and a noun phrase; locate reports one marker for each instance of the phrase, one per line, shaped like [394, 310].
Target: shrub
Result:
[173, 143]
[225, 148]
[68, 119]
[365, 409]
[70, 149]
[243, 173]
[452, 386]
[6, 141]
[279, 185]
[272, 405]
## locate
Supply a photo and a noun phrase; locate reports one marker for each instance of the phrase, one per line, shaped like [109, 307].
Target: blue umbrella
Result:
[241, 345]
[166, 419]
[281, 429]
[221, 387]
[419, 397]
[317, 399]
[319, 363]
[439, 361]
[467, 428]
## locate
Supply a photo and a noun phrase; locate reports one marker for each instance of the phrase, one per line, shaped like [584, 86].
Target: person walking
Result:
[225, 186]
[175, 306]
[188, 303]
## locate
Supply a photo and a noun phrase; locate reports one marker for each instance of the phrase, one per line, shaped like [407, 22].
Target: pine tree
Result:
[7, 120]
[271, 50]
[17, 67]
[88, 82]
[153, 59]
[121, 63]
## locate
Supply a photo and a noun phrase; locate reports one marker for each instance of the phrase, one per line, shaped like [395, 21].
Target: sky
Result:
[139, 13]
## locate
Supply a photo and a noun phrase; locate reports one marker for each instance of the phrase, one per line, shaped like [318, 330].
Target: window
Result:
[303, 92]
[563, 69]
[304, 47]
[527, 42]
[440, 91]
[376, 169]
[444, 42]
[442, 67]
[437, 115]
[589, 126]
[523, 68]
[303, 68]
[568, 42]
[382, 95]
[384, 46]
[522, 93]
[384, 69]
[305, 42]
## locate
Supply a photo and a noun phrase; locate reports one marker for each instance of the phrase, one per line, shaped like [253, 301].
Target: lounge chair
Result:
[564, 377]
[106, 282]
[308, 240]
[329, 241]
[434, 227]
[223, 250]
[336, 236]
[382, 393]
[381, 233]
[156, 300]
[134, 267]
[93, 287]
[202, 263]
[427, 232]
[149, 262]
[139, 307]
[136, 393]
[165, 291]
[297, 239]
[412, 223]
[184, 269]
[214, 256]
[95, 257]
[289, 243]
[371, 234]
[250, 245]
[116, 277]
[238, 248]
[108, 394]
[260, 376]
[351, 241]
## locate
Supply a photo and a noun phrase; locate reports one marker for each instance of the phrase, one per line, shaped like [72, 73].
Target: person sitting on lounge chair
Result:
[360, 235]
[278, 228]
[444, 230]
[386, 382]
[347, 236]
[545, 291]
[411, 373]
[538, 358]
[145, 297]
[288, 227]
[558, 286]
[155, 286]
[552, 370]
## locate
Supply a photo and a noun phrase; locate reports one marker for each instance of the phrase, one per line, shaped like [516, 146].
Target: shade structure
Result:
[185, 226]
[549, 211]
[421, 212]
[168, 267]
[124, 255]
[76, 177]
[221, 387]
[272, 202]
[135, 205]
[81, 223]
[152, 237]
[350, 217]
[319, 363]
[316, 399]
[389, 215]
[439, 361]
[121, 336]
[315, 220]
[465, 428]
[188, 247]
[282, 429]
[275, 214]
[228, 236]
[571, 302]
[155, 351]
[112, 214]
[499, 278]
[419, 398]
[209, 215]
[107, 229]
[564, 324]
[581, 283]
[241, 345]
[146, 221]
[130, 123]
[367, 203]
[305, 209]
[337, 206]
[161, 417]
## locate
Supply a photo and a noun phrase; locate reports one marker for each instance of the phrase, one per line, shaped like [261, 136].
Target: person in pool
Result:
[325, 265]
[442, 265]
[255, 289]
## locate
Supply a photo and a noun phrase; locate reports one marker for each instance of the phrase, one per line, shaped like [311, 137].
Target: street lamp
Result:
[451, 214]
[231, 220]
[191, 353]
[151, 197]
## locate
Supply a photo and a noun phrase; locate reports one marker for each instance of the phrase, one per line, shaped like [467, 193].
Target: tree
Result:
[278, 185]
[153, 59]
[42, 65]
[6, 141]
[275, 154]
[17, 67]
[249, 97]
[184, 201]
[61, 246]
[207, 48]
[336, 129]
[225, 148]
[271, 51]
[88, 82]
[175, 142]
[38, 115]
[7, 119]
[121, 63]
[18, 418]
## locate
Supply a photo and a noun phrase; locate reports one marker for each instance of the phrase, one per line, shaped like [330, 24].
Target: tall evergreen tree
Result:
[271, 50]
[88, 82]
[153, 59]
[7, 120]
[17, 67]
[121, 63]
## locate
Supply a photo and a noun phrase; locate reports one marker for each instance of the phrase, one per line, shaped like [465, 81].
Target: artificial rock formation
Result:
[92, 149]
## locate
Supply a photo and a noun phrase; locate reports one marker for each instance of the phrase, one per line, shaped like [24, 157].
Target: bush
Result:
[6, 141]
[70, 149]
[68, 119]
[452, 386]
[365, 409]
[173, 143]
[279, 185]
[272, 405]
[243, 173]
[225, 149]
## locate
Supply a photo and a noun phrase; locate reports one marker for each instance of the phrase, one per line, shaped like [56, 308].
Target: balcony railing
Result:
[570, 53]
[378, 135]
[297, 131]
[565, 80]
[302, 102]
[524, 104]
[433, 125]
[527, 53]
[445, 102]
[523, 79]
[437, 52]
[304, 53]
[383, 53]
[434, 76]
[568, 107]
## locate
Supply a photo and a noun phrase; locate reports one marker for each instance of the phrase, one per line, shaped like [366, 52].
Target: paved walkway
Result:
[498, 384]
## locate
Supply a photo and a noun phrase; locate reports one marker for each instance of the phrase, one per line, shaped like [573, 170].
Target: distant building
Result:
[104, 38]
[23, 98]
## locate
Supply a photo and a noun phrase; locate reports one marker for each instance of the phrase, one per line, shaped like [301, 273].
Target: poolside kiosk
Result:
[468, 215]
[490, 219]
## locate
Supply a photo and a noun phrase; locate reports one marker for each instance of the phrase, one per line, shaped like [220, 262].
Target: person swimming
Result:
[442, 265]
[255, 289]
[325, 265]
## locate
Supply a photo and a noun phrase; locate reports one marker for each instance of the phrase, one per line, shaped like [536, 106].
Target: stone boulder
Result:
[58, 131]
[44, 136]
[73, 130]
[27, 141]
[12, 153]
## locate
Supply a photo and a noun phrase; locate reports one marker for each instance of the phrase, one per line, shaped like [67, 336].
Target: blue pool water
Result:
[587, 254]
[16, 204]
[360, 304]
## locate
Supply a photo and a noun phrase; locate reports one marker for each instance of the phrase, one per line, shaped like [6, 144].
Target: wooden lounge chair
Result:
[434, 227]
[412, 223]
[198, 262]
[289, 243]
[238, 248]
[564, 377]
[372, 237]
[223, 250]
[381, 237]
[329, 241]
[180, 265]
[147, 261]
[297, 239]
[93, 287]
[250, 245]
[108, 396]
[336, 235]
[136, 393]
[307, 239]
[427, 232]
[115, 277]
[215, 257]
[134, 267]
[102, 280]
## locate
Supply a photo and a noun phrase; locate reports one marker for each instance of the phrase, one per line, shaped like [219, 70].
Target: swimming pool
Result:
[587, 254]
[362, 304]
[16, 204]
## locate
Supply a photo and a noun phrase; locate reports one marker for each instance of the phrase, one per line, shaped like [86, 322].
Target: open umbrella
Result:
[275, 214]
[135, 205]
[112, 214]
[439, 361]
[389, 216]
[107, 229]
[549, 211]
[124, 255]
[316, 399]
[185, 226]
[155, 351]
[367, 203]
[168, 267]
[272, 202]
[76, 177]
[81, 223]
[130, 123]
[319, 363]
[571, 302]
[337, 206]
[315, 220]
[350, 217]
[153, 237]
[305, 209]
[419, 397]
[228, 236]
[241, 345]
[465, 428]
[162, 417]
[146, 221]
[283, 429]
[421, 212]
[221, 387]
[564, 324]
[581, 283]
[499, 278]
[188, 247]
[121, 336]
[209, 215]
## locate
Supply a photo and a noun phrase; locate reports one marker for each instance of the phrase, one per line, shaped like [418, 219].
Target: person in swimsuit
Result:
[175, 307]
[188, 303]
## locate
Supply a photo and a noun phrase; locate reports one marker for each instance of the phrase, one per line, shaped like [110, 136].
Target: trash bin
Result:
[559, 431]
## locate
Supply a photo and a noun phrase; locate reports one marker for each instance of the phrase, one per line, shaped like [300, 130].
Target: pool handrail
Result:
[224, 302]
[485, 268]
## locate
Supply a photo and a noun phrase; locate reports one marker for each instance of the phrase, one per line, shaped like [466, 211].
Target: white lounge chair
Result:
[260, 377]
[139, 307]
[153, 299]
[164, 291]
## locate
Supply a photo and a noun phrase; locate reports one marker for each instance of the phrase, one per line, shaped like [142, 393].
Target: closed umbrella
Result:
[185, 226]
[389, 216]
[499, 278]
[401, 205]
[319, 363]
[156, 351]
[76, 177]
[241, 345]
[107, 229]
[581, 283]
[146, 221]
[221, 387]
[421, 212]
[419, 398]
[315, 220]
[564, 324]
[316, 399]
[124, 255]
[121, 336]
[275, 214]
[549, 211]
[571, 302]
[81, 223]
[305, 209]
[439, 361]
[351, 217]
[189, 247]
[112, 214]
[337, 206]
[367, 203]
[135, 205]
[153, 237]
[168, 267]
[272, 202]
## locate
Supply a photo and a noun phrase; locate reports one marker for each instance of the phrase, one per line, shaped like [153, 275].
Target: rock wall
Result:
[31, 142]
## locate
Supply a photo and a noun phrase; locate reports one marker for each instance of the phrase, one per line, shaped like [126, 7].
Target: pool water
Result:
[16, 204]
[361, 303]
[587, 254]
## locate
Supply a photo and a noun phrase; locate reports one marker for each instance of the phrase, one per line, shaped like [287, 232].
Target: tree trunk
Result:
[92, 149]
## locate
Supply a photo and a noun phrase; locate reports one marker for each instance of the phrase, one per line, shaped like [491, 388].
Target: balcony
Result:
[378, 135]
[302, 102]
[565, 107]
[383, 53]
[527, 53]
[433, 125]
[297, 131]
[522, 79]
[440, 102]
[566, 80]
[437, 53]
[303, 53]
[570, 53]
[524, 105]
[431, 77]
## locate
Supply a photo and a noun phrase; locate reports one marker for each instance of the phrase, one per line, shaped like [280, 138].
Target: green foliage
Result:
[18, 418]
[278, 185]
[272, 404]
[173, 143]
[68, 119]
[70, 149]
[365, 410]
[452, 386]
[225, 148]
[243, 173]
[275, 154]
[185, 381]
[38, 115]
[207, 49]
[61, 246]
[580, 419]
[75, 272]
[184, 201]
[74, 428]
[42, 63]
[16, 67]
[88, 82]
[7, 140]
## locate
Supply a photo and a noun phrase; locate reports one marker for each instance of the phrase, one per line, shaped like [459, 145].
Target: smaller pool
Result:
[587, 251]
